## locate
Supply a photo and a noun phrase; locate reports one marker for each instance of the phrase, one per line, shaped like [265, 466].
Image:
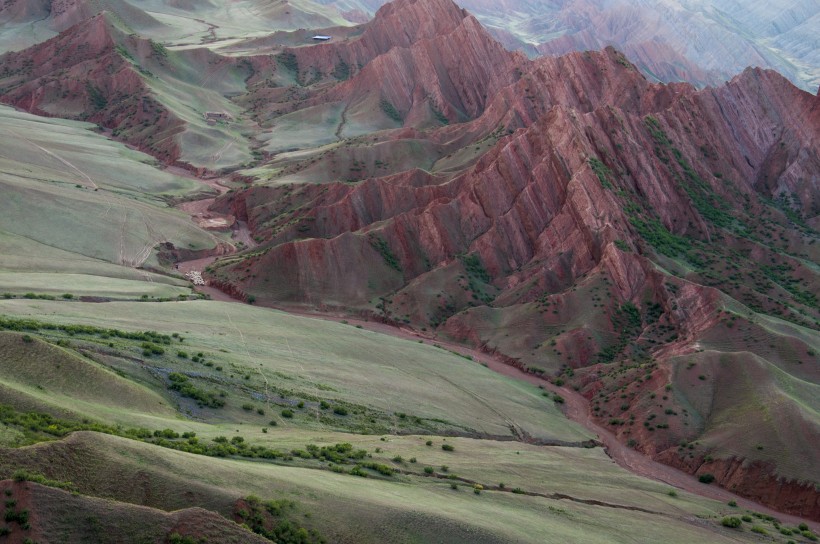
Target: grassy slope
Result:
[331, 361]
[351, 509]
[753, 410]
[53, 377]
[65, 517]
[76, 204]
[351, 364]
[190, 83]
[238, 19]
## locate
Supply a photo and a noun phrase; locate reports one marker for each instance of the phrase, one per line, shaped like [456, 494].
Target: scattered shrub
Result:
[706, 478]
[731, 522]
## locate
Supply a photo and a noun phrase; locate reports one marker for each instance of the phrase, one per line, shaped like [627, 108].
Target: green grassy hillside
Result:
[274, 361]
[393, 400]
[80, 212]
[401, 508]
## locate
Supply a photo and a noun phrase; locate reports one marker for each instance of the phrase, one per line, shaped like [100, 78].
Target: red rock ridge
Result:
[81, 74]
[589, 168]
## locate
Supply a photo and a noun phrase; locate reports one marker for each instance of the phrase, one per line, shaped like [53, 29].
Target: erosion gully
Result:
[575, 406]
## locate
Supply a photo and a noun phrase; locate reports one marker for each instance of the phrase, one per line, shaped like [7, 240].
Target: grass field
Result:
[314, 359]
[396, 509]
[80, 212]
[55, 377]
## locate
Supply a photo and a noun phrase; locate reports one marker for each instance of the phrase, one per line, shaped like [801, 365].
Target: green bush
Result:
[447, 447]
[20, 517]
[287, 413]
[706, 478]
[380, 244]
[731, 521]
[390, 110]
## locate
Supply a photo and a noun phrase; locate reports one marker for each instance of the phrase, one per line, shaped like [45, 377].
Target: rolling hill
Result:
[451, 293]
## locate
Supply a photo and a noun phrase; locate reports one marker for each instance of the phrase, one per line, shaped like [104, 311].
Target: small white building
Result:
[322, 38]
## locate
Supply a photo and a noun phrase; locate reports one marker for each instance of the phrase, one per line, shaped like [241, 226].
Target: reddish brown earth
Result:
[590, 226]
[81, 74]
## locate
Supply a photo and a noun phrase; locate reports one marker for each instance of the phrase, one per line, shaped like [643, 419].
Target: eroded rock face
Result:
[755, 480]
[574, 218]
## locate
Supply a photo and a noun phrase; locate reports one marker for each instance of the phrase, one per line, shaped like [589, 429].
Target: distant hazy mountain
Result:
[701, 41]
